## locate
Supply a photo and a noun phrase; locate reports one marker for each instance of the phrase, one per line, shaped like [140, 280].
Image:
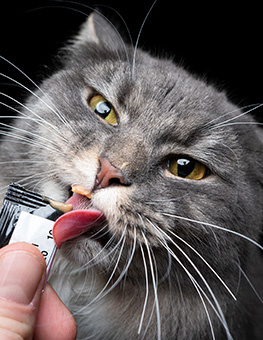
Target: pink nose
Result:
[108, 174]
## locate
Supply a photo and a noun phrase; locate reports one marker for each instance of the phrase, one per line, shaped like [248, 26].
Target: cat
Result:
[179, 254]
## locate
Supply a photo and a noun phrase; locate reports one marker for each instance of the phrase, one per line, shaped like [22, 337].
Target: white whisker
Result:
[29, 161]
[228, 113]
[28, 180]
[160, 231]
[250, 283]
[156, 202]
[29, 133]
[87, 265]
[217, 309]
[216, 227]
[239, 278]
[124, 272]
[137, 41]
[122, 19]
[24, 140]
[154, 283]
[106, 19]
[104, 291]
[202, 258]
[43, 123]
[55, 111]
[195, 284]
[146, 290]
[236, 117]
[237, 123]
[36, 184]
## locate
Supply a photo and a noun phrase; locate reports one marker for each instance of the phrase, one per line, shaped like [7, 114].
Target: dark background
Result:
[222, 41]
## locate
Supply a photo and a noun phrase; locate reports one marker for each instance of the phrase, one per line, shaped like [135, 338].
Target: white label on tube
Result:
[37, 231]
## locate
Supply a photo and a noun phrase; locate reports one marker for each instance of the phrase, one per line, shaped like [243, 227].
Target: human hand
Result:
[26, 312]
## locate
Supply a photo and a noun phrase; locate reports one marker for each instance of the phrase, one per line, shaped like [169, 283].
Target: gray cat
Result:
[177, 171]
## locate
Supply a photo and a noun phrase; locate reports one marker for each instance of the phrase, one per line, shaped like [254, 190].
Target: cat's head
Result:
[188, 162]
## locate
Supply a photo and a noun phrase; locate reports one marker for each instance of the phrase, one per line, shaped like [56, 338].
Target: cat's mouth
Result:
[82, 219]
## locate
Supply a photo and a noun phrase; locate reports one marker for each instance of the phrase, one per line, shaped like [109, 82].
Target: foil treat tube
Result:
[27, 216]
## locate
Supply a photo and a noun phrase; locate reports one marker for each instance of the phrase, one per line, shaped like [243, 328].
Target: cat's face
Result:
[189, 172]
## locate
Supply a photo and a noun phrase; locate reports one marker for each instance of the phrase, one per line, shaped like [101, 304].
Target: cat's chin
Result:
[87, 250]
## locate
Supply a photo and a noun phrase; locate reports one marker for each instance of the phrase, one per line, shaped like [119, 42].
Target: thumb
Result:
[22, 277]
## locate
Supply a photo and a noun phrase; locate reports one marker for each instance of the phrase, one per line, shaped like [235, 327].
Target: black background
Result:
[222, 41]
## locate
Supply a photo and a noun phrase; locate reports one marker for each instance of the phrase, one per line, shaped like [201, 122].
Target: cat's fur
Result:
[174, 247]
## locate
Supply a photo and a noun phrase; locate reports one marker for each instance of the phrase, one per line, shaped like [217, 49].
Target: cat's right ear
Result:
[97, 29]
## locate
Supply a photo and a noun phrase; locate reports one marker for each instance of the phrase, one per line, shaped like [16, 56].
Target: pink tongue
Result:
[76, 222]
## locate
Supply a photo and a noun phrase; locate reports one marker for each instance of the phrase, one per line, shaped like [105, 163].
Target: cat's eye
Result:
[187, 167]
[103, 109]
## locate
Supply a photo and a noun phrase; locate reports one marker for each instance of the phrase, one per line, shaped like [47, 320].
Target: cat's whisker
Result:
[249, 282]
[25, 118]
[94, 260]
[137, 42]
[108, 21]
[25, 182]
[22, 176]
[127, 265]
[29, 133]
[225, 123]
[160, 231]
[146, 290]
[24, 140]
[209, 124]
[215, 227]
[155, 285]
[216, 308]
[53, 173]
[124, 22]
[239, 123]
[55, 111]
[39, 119]
[26, 161]
[29, 180]
[169, 256]
[195, 284]
[157, 202]
[239, 276]
[104, 290]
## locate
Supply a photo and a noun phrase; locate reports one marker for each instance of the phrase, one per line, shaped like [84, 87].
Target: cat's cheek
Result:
[52, 189]
[81, 168]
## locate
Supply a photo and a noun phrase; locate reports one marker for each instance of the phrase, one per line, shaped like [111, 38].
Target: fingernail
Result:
[20, 276]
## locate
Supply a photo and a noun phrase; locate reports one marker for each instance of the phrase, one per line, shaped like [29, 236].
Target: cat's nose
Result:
[108, 174]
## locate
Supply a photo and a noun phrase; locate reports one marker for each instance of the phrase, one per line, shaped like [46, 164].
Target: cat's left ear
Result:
[100, 31]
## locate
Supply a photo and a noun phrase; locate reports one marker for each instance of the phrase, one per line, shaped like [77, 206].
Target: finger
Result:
[23, 271]
[54, 319]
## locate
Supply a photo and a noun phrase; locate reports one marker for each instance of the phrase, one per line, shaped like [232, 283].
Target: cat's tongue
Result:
[76, 222]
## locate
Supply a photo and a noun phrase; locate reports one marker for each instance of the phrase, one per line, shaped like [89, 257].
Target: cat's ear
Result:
[100, 31]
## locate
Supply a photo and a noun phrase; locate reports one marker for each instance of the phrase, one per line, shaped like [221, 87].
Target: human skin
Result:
[26, 312]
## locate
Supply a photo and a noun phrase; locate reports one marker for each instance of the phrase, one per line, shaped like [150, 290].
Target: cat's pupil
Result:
[103, 109]
[185, 167]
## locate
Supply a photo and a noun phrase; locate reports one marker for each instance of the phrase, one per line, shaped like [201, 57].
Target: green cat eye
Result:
[187, 167]
[103, 109]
